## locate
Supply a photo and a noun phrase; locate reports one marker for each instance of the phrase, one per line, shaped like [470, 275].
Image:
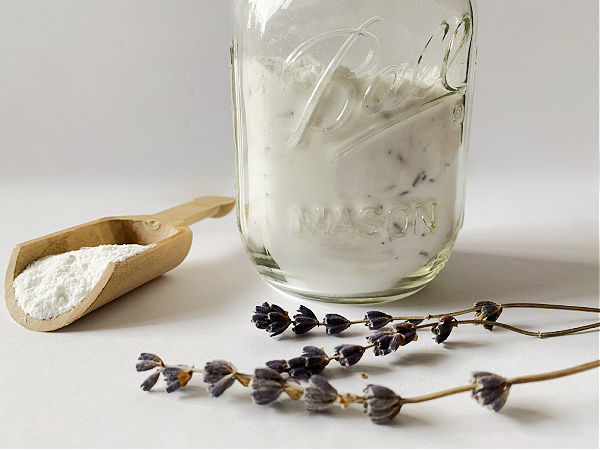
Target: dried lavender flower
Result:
[491, 390]
[267, 386]
[271, 318]
[148, 361]
[279, 365]
[176, 377]
[489, 311]
[348, 355]
[381, 404]
[312, 361]
[150, 381]
[305, 321]
[405, 333]
[381, 343]
[401, 334]
[217, 369]
[221, 386]
[377, 319]
[219, 375]
[443, 328]
[320, 394]
[335, 324]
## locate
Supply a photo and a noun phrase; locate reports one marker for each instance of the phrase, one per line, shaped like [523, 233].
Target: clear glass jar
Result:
[352, 125]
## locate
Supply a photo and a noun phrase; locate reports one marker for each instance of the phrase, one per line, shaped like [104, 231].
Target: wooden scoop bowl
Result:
[168, 230]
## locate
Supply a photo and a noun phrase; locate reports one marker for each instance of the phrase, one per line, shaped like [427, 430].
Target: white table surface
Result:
[524, 239]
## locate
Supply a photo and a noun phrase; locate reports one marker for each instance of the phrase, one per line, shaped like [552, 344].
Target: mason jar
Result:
[351, 123]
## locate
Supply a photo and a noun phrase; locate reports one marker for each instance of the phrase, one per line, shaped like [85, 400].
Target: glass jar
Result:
[351, 123]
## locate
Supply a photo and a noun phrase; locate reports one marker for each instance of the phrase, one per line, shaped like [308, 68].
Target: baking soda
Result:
[365, 196]
[55, 284]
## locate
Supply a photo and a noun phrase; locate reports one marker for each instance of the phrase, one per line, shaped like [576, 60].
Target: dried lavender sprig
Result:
[380, 403]
[219, 375]
[313, 360]
[275, 320]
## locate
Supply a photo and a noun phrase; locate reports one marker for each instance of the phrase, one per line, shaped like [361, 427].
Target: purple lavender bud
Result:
[381, 404]
[216, 370]
[407, 333]
[221, 386]
[305, 321]
[142, 366]
[377, 319]
[382, 343]
[150, 357]
[279, 365]
[312, 361]
[297, 367]
[148, 361]
[491, 390]
[443, 328]
[271, 318]
[267, 386]
[348, 355]
[489, 311]
[335, 324]
[320, 394]
[150, 381]
[265, 308]
[172, 387]
[176, 377]
[316, 359]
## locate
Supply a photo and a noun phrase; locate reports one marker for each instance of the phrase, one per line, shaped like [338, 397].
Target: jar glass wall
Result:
[351, 124]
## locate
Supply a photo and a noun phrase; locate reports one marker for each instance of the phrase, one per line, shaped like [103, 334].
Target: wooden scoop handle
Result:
[198, 209]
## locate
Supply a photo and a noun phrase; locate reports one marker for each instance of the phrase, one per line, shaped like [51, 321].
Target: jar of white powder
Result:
[352, 126]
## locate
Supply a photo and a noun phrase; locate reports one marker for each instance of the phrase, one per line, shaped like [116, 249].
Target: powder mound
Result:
[55, 284]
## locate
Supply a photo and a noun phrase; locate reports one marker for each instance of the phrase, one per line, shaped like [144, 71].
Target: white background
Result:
[112, 107]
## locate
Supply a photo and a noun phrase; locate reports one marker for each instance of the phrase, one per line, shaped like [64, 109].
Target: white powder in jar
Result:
[357, 205]
[55, 284]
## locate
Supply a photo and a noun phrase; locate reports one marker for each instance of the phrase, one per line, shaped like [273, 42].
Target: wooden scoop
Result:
[168, 230]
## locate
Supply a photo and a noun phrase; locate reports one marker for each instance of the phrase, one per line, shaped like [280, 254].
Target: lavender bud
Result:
[150, 357]
[217, 369]
[320, 394]
[267, 386]
[221, 386]
[279, 365]
[176, 377]
[335, 324]
[382, 343]
[305, 321]
[150, 381]
[316, 360]
[142, 366]
[297, 367]
[407, 330]
[148, 361]
[271, 318]
[348, 355]
[219, 375]
[377, 319]
[312, 361]
[381, 404]
[489, 311]
[443, 328]
[491, 390]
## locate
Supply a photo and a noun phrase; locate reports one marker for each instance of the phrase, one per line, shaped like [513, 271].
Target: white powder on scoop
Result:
[55, 284]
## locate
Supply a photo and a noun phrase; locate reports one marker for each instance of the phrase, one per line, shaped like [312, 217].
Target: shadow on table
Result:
[470, 277]
[196, 290]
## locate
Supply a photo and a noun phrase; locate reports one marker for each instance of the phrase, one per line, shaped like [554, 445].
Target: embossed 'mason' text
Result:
[370, 222]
